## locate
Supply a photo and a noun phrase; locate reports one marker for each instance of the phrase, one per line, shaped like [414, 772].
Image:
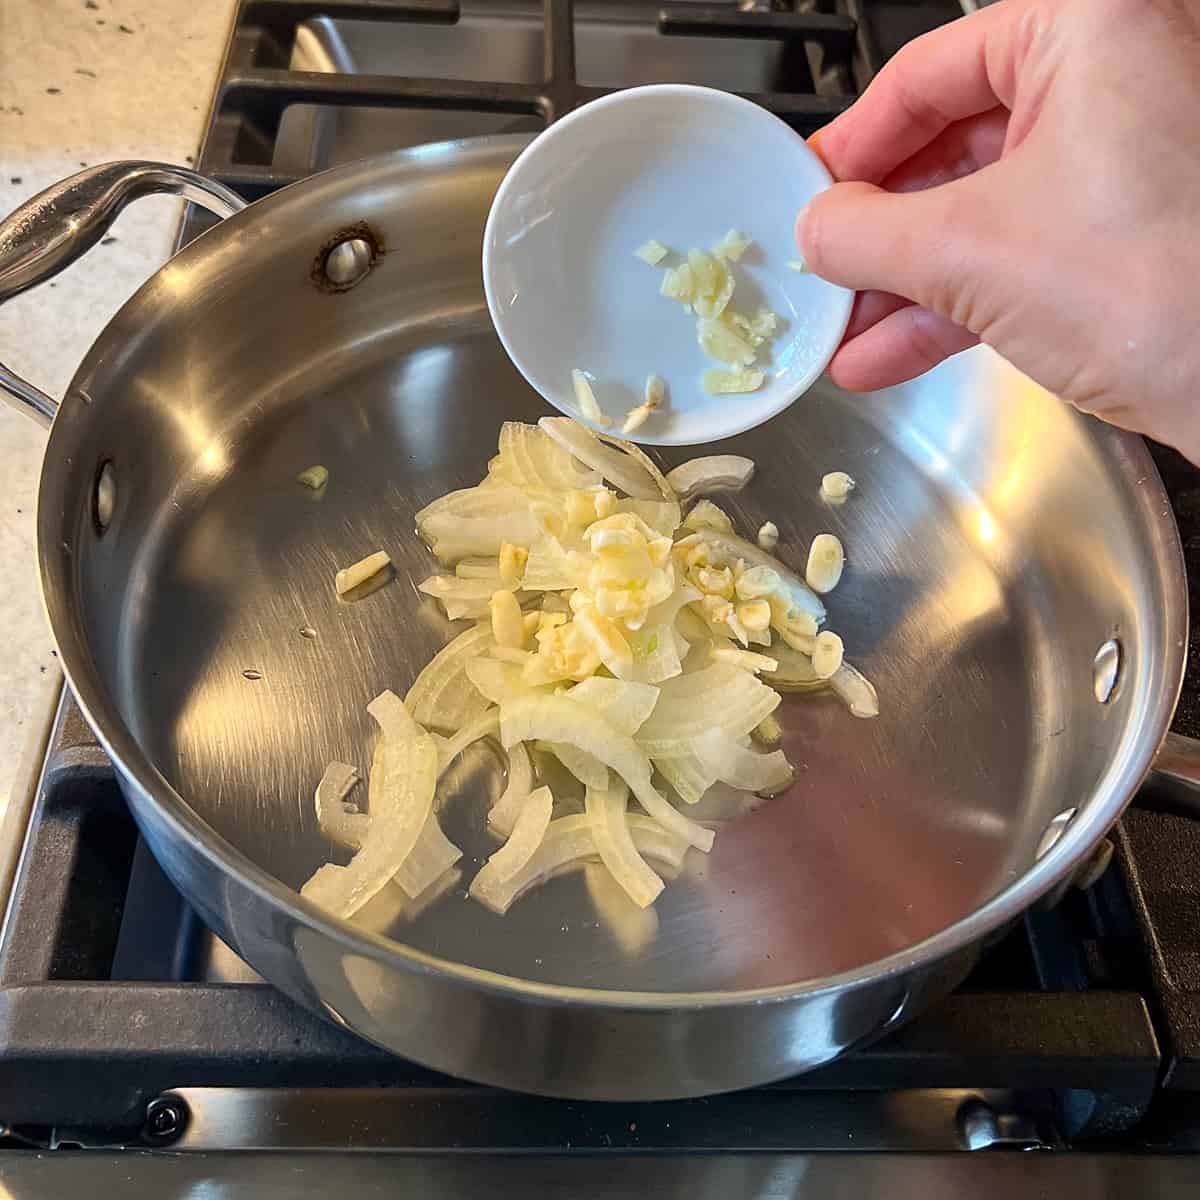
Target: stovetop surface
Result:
[124, 1021]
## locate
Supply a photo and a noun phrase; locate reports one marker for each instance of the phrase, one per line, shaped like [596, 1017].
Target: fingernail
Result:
[800, 217]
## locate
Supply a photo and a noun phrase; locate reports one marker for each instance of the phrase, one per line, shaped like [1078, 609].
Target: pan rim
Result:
[1098, 811]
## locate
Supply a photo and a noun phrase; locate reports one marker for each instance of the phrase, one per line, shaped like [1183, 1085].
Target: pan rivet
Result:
[1055, 830]
[348, 262]
[1106, 670]
[104, 499]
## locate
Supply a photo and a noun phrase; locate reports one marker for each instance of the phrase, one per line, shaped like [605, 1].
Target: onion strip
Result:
[605, 809]
[340, 822]
[556, 719]
[486, 725]
[630, 476]
[712, 473]
[503, 814]
[570, 841]
[522, 843]
[409, 776]
[442, 697]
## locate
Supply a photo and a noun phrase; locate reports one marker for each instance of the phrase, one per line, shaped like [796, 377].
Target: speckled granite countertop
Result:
[81, 82]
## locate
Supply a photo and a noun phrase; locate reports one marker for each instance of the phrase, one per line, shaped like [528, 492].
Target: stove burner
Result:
[123, 1020]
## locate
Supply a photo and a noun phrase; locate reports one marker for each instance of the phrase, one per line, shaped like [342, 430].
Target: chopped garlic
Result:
[755, 615]
[714, 284]
[678, 284]
[313, 477]
[746, 659]
[798, 264]
[758, 582]
[512, 561]
[655, 392]
[837, 485]
[719, 383]
[825, 561]
[718, 339]
[827, 654]
[768, 535]
[586, 399]
[714, 582]
[732, 246]
[349, 578]
[652, 253]
[508, 625]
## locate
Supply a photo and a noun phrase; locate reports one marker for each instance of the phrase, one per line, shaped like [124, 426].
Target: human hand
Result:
[1029, 177]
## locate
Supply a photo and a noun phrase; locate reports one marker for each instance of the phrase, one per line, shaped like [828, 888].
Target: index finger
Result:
[958, 71]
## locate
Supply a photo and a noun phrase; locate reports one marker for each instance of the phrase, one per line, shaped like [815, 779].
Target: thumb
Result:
[928, 246]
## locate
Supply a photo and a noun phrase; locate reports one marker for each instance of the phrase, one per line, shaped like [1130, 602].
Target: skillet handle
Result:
[1173, 784]
[59, 225]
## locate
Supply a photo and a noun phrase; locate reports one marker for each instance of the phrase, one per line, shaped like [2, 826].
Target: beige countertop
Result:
[81, 82]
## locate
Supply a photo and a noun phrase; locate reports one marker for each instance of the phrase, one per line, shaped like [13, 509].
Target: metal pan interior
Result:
[994, 542]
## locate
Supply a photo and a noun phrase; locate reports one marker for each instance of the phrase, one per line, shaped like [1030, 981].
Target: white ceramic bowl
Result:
[683, 165]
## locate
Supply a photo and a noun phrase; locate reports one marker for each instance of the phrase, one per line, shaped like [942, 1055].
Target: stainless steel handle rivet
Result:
[104, 498]
[1055, 830]
[1106, 670]
[348, 262]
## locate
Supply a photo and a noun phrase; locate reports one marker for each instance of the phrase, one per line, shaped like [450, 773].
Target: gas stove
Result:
[128, 1029]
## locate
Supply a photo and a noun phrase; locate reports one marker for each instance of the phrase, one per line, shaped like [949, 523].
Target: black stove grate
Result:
[105, 1003]
[831, 48]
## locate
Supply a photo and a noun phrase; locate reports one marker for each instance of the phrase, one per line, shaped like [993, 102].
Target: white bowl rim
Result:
[775, 400]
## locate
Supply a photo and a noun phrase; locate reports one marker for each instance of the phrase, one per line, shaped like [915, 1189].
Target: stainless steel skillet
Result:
[1015, 591]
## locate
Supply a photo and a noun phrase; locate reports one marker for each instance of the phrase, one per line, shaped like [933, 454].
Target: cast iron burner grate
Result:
[823, 52]
[120, 1013]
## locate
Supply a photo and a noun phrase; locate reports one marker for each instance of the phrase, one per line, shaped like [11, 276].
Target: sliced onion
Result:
[606, 809]
[442, 697]
[625, 704]
[719, 696]
[504, 813]
[548, 568]
[486, 725]
[342, 824]
[570, 840]
[433, 853]
[488, 499]
[856, 690]
[588, 770]
[432, 856]
[633, 450]
[630, 476]
[741, 767]
[405, 798]
[690, 777]
[662, 516]
[522, 843]
[463, 597]
[557, 719]
[531, 460]
[713, 473]
[500, 682]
